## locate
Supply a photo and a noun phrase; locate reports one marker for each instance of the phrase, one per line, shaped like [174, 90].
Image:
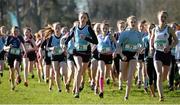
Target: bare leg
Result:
[12, 77]
[139, 67]
[93, 67]
[71, 69]
[158, 68]
[17, 68]
[123, 73]
[63, 70]
[25, 65]
[84, 67]
[78, 61]
[55, 66]
[132, 65]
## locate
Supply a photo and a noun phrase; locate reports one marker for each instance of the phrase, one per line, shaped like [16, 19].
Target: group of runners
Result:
[146, 52]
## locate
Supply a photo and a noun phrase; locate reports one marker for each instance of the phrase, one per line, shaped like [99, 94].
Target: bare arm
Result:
[175, 39]
[152, 41]
[24, 49]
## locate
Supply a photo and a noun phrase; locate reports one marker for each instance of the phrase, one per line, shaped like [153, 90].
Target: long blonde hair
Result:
[95, 28]
[48, 30]
[1, 28]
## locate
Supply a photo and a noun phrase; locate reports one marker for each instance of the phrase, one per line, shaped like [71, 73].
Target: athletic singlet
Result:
[15, 42]
[2, 42]
[81, 44]
[161, 39]
[177, 48]
[105, 44]
[130, 40]
[143, 34]
[70, 46]
[28, 44]
[43, 47]
[145, 41]
[116, 35]
[146, 46]
[55, 42]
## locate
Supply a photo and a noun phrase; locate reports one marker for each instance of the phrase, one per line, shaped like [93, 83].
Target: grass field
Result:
[37, 93]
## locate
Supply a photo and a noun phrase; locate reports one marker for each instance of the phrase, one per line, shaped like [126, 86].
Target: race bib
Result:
[15, 51]
[131, 47]
[57, 51]
[81, 47]
[105, 50]
[28, 46]
[160, 44]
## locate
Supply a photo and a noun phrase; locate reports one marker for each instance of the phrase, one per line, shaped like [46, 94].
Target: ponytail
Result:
[48, 31]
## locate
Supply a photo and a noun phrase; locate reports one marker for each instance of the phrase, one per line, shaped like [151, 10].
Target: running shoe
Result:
[26, 84]
[120, 88]
[59, 90]
[139, 84]
[67, 88]
[101, 95]
[108, 81]
[1, 74]
[32, 76]
[18, 80]
[125, 98]
[96, 92]
[81, 87]
[76, 95]
[146, 90]
[161, 99]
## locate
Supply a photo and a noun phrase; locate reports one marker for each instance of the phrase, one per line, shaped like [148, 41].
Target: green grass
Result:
[37, 93]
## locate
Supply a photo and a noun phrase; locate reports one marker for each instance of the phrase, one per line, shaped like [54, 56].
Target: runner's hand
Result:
[167, 49]
[114, 55]
[124, 58]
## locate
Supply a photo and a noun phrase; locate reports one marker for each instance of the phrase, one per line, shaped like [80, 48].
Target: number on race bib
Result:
[160, 44]
[81, 47]
[131, 47]
[15, 51]
[57, 51]
[28, 46]
[105, 50]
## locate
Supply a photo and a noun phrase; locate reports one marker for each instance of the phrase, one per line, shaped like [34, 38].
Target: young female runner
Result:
[14, 44]
[31, 55]
[162, 40]
[57, 55]
[106, 49]
[2, 52]
[83, 36]
[128, 43]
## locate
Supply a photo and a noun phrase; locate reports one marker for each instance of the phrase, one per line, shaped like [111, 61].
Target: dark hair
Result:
[143, 21]
[27, 28]
[88, 22]
[13, 28]
[162, 12]
[105, 22]
[120, 22]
